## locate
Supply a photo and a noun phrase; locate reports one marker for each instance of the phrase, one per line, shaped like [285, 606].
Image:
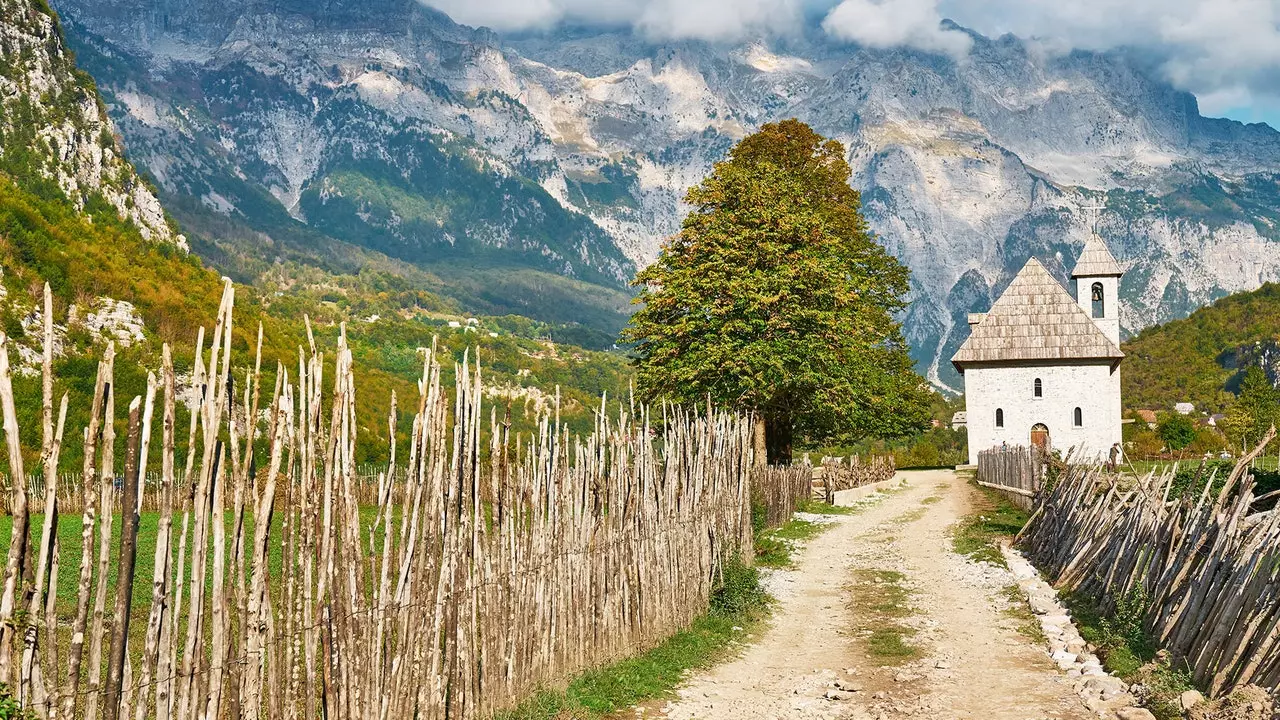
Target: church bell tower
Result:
[1097, 276]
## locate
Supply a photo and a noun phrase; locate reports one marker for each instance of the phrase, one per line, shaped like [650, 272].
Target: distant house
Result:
[1184, 408]
[1148, 417]
[455, 324]
[959, 419]
[1043, 368]
[1214, 420]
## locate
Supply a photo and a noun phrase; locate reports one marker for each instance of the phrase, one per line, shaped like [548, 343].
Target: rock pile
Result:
[1103, 693]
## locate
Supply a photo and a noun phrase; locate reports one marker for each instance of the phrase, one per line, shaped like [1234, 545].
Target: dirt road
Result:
[881, 619]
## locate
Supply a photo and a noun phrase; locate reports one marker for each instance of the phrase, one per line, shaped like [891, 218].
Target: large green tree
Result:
[1256, 409]
[774, 298]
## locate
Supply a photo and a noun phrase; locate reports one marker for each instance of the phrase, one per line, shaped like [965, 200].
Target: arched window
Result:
[999, 417]
[1079, 418]
[1039, 388]
[1099, 300]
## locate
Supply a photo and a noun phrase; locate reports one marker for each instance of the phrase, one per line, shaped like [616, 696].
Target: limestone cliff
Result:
[53, 126]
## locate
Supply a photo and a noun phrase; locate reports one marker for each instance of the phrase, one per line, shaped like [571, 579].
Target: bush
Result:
[9, 707]
[739, 589]
[1145, 444]
[1207, 440]
[1190, 480]
[936, 447]
[1127, 625]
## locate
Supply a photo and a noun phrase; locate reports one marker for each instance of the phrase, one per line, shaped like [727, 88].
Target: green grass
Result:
[931, 500]
[910, 516]
[69, 528]
[880, 602]
[1268, 463]
[993, 519]
[889, 645]
[819, 507]
[798, 530]
[738, 608]
[1018, 610]
[775, 547]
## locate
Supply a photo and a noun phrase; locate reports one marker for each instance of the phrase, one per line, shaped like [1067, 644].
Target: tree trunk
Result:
[778, 432]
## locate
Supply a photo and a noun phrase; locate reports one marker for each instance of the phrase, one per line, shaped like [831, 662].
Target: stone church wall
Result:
[1092, 387]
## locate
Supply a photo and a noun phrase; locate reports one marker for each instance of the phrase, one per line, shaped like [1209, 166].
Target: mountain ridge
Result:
[966, 168]
[1201, 358]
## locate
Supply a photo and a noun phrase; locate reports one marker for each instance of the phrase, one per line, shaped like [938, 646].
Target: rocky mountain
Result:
[384, 124]
[53, 128]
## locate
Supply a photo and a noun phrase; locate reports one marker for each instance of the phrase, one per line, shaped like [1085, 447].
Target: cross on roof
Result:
[1093, 211]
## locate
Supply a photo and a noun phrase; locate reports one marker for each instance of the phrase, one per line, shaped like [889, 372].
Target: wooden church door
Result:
[1040, 436]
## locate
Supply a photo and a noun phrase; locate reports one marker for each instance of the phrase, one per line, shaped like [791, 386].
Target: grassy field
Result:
[70, 552]
[739, 608]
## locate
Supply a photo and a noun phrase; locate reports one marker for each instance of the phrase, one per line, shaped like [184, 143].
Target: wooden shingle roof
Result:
[1035, 319]
[1096, 260]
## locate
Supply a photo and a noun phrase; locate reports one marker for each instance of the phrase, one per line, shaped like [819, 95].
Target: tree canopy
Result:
[1255, 410]
[1176, 430]
[775, 298]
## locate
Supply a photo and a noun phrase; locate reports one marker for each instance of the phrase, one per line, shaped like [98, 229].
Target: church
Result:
[1042, 368]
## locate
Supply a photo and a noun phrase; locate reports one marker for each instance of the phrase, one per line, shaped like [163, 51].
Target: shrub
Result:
[1207, 440]
[1145, 444]
[739, 589]
[9, 707]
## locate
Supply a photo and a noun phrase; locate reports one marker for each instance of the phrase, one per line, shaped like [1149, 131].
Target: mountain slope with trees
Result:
[117, 271]
[1203, 358]
[566, 151]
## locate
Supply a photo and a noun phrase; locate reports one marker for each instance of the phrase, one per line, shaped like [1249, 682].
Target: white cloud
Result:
[661, 19]
[1224, 51]
[893, 23]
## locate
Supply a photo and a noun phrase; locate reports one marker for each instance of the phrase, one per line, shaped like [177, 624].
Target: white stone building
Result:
[1043, 368]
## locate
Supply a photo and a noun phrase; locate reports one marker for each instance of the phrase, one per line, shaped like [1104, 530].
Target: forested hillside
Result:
[75, 214]
[1201, 358]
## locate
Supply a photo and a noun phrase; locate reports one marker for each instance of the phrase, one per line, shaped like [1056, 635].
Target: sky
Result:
[1226, 52]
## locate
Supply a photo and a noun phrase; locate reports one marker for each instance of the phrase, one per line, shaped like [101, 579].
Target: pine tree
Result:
[1258, 400]
[774, 298]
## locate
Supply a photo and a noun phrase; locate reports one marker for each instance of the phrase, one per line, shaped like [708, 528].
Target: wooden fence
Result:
[779, 489]
[476, 579]
[71, 493]
[840, 475]
[1205, 568]
[1017, 471]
